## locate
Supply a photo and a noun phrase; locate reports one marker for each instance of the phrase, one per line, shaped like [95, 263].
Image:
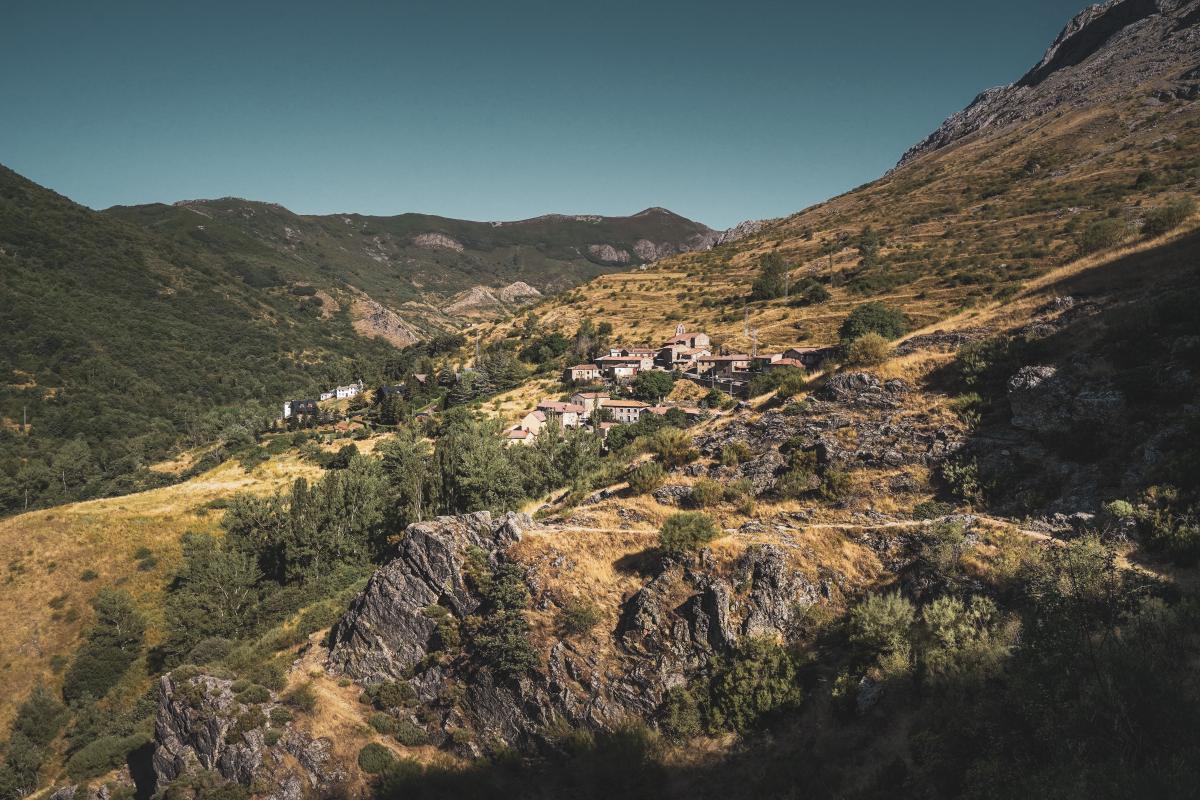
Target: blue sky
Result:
[494, 110]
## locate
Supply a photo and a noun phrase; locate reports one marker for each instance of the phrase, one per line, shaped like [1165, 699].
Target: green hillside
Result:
[118, 343]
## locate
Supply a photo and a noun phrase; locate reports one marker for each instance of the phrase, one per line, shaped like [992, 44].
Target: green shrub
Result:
[686, 531]
[211, 650]
[836, 484]
[318, 617]
[735, 453]
[270, 673]
[646, 477]
[932, 509]
[251, 719]
[881, 628]
[410, 734]
[102, 755]
[875, 317]
[1167, 218]
[112, 645]
[759, 679]
[578, 617]
[374, 759]
[968, 407]
[303, 698]
[88, 575]
[1101, 235]
[383, 723]
[810, 293]
[962, 478]
[672, 446]
[867, 350]
[394, 694]
[271, 736]
[280, 716]
[680, 717]
[707, 492]
[254, 693]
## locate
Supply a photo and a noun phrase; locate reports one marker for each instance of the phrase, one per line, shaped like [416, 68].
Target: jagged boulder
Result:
[202, 726]
[862, 389]
[386, 630]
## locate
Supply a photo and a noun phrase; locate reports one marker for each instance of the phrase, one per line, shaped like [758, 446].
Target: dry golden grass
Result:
[44, 600]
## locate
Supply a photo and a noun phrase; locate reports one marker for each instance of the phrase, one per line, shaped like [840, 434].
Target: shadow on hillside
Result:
[1112, 416]
[627, 765]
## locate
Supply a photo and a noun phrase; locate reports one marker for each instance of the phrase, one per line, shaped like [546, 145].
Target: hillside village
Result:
[599, 390]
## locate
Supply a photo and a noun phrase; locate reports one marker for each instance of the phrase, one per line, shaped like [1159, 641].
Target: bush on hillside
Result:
[374, 759]
[578, 617]
[1168, 217]
[686, 531]
[887, 321]
[867, 350]
[707, 492]
[646, 477]
[672, 446]
[1101, 235]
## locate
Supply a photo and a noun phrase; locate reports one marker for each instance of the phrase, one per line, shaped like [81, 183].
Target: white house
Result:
[352, 390]
[327, 395]
[582, 372]
[620, 368]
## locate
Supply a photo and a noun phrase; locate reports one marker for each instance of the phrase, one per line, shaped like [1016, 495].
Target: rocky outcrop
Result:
[202, 725]
[486, 302]
[668, 631]
[1112, 49]
[863, 390]
[1048, 402]
[741, 231]
[374, 320]
[855, 419]
[437, 241]
[609, 254]
[386, 632]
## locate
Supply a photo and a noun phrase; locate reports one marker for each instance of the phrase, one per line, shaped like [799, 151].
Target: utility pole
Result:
[754, 342]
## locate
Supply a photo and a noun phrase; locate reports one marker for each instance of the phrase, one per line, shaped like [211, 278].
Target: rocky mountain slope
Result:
[1109, 52]
[1105, 139]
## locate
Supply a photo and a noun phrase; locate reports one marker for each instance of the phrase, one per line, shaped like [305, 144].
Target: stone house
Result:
[518, 435]
[568, 415]
[723, 364]
[581, 373]
[625, 412]
[619, 368]
[590, 401]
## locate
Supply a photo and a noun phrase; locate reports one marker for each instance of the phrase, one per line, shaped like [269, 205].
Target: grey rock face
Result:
[386, 631]
[1048, 402]
[200, 726]
[862, 389]
[672, 495]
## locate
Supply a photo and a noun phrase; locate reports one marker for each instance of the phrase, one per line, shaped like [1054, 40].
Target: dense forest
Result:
[119, 346]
